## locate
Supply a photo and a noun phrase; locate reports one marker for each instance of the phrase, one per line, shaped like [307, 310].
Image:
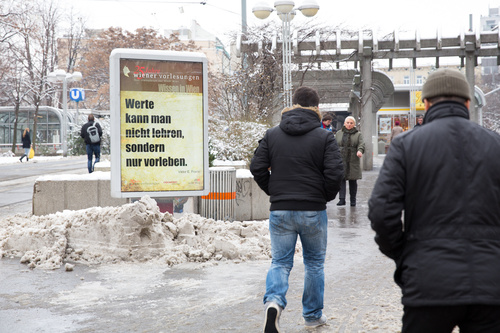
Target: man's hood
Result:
[299, 120]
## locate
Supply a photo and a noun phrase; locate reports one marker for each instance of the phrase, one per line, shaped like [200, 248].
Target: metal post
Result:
[244, 17]
[413, 106]
[470, 63]
[65, 117]
[77, 113]
[287, 60]
[367, 108]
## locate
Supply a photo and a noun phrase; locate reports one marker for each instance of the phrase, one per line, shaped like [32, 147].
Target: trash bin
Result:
[220, 202]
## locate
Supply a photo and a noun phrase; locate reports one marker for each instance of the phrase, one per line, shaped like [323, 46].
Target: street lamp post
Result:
[60, 75]
[286, 12]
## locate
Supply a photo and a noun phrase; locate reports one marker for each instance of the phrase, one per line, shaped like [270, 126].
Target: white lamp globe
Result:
[284, 6]
[261, 10]
[60, 74]
[77, 76]
[51, 77]
[309, 8]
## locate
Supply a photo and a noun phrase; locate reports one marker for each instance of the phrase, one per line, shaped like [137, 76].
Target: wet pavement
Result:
[360, 295]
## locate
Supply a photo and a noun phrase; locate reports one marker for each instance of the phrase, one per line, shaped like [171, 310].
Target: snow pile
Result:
[8, 154]
[133, 232]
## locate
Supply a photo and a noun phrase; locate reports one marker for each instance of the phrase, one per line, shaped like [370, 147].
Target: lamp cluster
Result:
[309, 8]
[59, 75]
[286, 12]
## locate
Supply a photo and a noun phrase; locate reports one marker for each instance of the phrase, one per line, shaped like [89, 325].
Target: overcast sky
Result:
[218, 16]
[222, 16]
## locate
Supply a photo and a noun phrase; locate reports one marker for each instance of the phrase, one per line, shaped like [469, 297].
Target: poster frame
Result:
[115, 121]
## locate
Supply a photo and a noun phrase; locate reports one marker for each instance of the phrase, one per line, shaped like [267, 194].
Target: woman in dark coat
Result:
[26, 144]
[352, 147]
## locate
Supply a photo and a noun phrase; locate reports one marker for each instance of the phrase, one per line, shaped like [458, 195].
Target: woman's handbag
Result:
[32, 153]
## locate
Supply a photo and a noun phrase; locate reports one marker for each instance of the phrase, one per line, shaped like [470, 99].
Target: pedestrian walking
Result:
[91, 132]
[298, 164]
[326, 122]
[396, 130]
[445, 180]
[26, 139]
[352, 147]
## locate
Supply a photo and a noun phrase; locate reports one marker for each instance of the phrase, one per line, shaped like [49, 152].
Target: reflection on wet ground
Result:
[357, 216]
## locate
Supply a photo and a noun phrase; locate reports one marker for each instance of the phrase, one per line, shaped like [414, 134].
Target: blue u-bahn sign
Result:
[77, 94]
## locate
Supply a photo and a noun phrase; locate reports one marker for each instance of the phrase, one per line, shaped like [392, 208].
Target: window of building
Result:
[406, 79]
[420, 79]
[47, 130]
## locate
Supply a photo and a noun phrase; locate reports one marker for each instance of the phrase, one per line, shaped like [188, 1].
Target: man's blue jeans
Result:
[284, 227]
[93, 149]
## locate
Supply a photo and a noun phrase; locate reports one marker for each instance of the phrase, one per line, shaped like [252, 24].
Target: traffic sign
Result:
[77, 94]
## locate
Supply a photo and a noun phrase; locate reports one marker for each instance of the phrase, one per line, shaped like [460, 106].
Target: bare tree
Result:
[94, 64]
[13, 89]
[7, 15]
[16, 93]
[253, 91]
[34, 47]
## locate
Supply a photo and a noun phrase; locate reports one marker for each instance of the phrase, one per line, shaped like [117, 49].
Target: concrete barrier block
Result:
[104, 195]
[81, 194]
[260, 203]
[55, 193]
[102, 166]
[251, 202]
[48, 197]
[243, 209]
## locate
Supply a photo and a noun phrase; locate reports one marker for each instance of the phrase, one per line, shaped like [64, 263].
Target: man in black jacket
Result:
[89, 130]
[298, 164]
[446, 179]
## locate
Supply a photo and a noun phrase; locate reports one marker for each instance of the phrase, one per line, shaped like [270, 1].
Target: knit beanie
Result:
[446, 82]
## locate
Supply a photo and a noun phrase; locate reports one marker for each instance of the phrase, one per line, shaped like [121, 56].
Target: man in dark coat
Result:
[420, 120]
[446, 179]
[298, 164]
[93, 148]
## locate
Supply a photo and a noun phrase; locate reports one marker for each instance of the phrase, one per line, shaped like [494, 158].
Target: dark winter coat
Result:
[446, 179]
[85, 135]
[298, 163]
[26, 140]
[349, 148]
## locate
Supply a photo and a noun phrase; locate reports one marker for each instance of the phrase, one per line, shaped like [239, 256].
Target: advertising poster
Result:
[385, 125]
[419, 104]
[162, 132]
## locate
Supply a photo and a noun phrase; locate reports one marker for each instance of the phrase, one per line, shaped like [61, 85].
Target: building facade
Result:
[48, 130]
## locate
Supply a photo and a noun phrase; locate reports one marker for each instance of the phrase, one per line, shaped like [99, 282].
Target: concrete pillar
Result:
[367, 108]
[470, 64]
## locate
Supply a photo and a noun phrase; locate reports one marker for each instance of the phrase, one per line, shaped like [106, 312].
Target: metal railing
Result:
[219, 204]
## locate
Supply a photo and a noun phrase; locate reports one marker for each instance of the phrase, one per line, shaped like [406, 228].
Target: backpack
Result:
[93, 133]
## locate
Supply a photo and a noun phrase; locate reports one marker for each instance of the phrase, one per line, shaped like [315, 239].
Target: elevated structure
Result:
[363, 50]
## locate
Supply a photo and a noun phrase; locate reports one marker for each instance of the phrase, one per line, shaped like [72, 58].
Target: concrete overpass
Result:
[367, 88]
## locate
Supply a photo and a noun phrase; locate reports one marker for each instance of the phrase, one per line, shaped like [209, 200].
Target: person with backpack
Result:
[92, 132]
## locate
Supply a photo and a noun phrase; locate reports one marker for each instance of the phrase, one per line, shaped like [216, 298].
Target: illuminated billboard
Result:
[159, 125]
